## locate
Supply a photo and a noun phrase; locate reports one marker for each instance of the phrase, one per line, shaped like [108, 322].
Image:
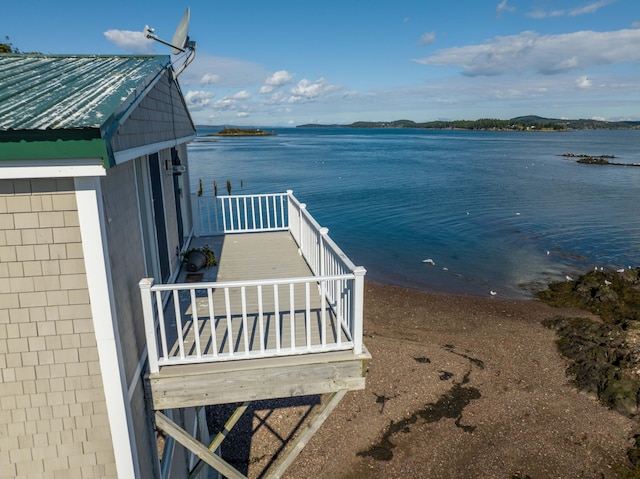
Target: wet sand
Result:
[458, 387]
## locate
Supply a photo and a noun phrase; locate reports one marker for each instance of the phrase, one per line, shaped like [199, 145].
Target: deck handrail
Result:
[216, 215]
[290, 300]
[339, 283]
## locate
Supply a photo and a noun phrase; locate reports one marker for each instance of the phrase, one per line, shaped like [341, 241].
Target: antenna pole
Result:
[153, 37]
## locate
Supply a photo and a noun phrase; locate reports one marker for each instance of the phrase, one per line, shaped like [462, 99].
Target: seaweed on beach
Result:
[612, 295]
[604, 352]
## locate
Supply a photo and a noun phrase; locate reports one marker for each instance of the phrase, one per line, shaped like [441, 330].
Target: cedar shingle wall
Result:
[53, 419]
[160, 116]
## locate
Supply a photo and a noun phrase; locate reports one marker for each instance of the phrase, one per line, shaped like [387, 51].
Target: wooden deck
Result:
[306, 320]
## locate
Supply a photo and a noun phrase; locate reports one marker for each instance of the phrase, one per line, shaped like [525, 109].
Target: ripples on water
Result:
[495, 211]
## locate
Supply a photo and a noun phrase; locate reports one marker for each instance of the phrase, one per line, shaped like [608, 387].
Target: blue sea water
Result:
[495, 211]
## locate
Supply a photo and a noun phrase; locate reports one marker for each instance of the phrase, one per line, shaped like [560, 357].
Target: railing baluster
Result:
[224, 215]
[227, 304]
[194, 321]
[212, 323]
[292, 316]
[245, 326]
[261, 319]
[338, 313]
[276, 312]
[176, 308]
[260, 211]
[323, 313]
[239, 224]
[308, 313]
[253, 212]
[281, 211]
[246, 221]
[266, 200]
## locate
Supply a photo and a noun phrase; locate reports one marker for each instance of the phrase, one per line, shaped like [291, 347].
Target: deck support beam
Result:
[221, 436]
[301, 441]
[208, 456]
[196, 447]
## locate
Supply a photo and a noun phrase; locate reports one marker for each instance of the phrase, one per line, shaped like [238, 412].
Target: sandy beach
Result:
[458, 387]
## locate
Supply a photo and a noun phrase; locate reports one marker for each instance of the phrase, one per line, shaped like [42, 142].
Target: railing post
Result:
[358, 308]
[323, 234]
[215, 213]
[149, 324]
[289, 194]
[301, 242]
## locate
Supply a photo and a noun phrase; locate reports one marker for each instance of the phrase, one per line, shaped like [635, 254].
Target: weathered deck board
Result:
[259, 256]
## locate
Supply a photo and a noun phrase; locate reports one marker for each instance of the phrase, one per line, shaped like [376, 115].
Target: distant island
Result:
[521, 123]
[241, 132]
[596, 160]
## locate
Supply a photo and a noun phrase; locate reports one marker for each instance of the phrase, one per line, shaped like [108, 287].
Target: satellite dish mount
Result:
[180, 43]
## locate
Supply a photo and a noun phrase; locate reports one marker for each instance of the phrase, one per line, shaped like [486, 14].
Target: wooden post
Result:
[305, 436]
[196, 447]
[149, 324]
[358, 309]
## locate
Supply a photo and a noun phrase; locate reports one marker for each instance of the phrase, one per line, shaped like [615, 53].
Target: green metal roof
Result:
[61, 92]
[76, 99]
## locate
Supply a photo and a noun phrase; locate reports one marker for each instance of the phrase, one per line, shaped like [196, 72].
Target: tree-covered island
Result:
[241, 132]
[521, 123]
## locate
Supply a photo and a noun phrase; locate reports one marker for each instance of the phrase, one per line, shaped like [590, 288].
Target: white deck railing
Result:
[203, 322]
[240, 213]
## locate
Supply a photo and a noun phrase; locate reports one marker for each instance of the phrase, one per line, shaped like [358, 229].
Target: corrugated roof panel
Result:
[39, 92]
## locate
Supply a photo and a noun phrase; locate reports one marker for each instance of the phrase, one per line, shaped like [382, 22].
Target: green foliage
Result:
[7, 46]
[207, 251]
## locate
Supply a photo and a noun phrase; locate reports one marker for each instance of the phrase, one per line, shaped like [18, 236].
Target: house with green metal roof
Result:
[110, 352]
[91, 200]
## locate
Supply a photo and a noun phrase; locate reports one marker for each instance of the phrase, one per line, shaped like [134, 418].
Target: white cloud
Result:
[275, 81]
[584, 82]
[547, 54]
[591, 7]
[503, 7]
[550, 14]
[635, 24]
[306, 90]
[226, 72]
[225, 103]
[197, 100]
[209, 79]
[241, 95]
[428, 38]
[134, 42]
[242, 114]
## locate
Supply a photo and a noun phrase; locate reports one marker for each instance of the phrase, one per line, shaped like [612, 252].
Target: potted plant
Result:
[197, 258]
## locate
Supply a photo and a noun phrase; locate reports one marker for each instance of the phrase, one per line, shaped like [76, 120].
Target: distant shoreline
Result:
[522, 123]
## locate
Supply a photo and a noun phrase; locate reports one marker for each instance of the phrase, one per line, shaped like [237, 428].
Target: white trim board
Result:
[132, 153]
[94, 247]
[51, 168]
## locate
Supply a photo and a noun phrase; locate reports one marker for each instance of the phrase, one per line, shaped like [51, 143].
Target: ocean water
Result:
[494, 211]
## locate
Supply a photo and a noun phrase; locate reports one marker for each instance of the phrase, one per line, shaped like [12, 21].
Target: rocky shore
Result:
[458, 387]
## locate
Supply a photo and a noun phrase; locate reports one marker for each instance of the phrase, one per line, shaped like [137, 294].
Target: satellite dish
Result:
[180, 37]
[180, 43]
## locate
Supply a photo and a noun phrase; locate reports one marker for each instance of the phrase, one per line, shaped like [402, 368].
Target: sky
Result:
[286, 63]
